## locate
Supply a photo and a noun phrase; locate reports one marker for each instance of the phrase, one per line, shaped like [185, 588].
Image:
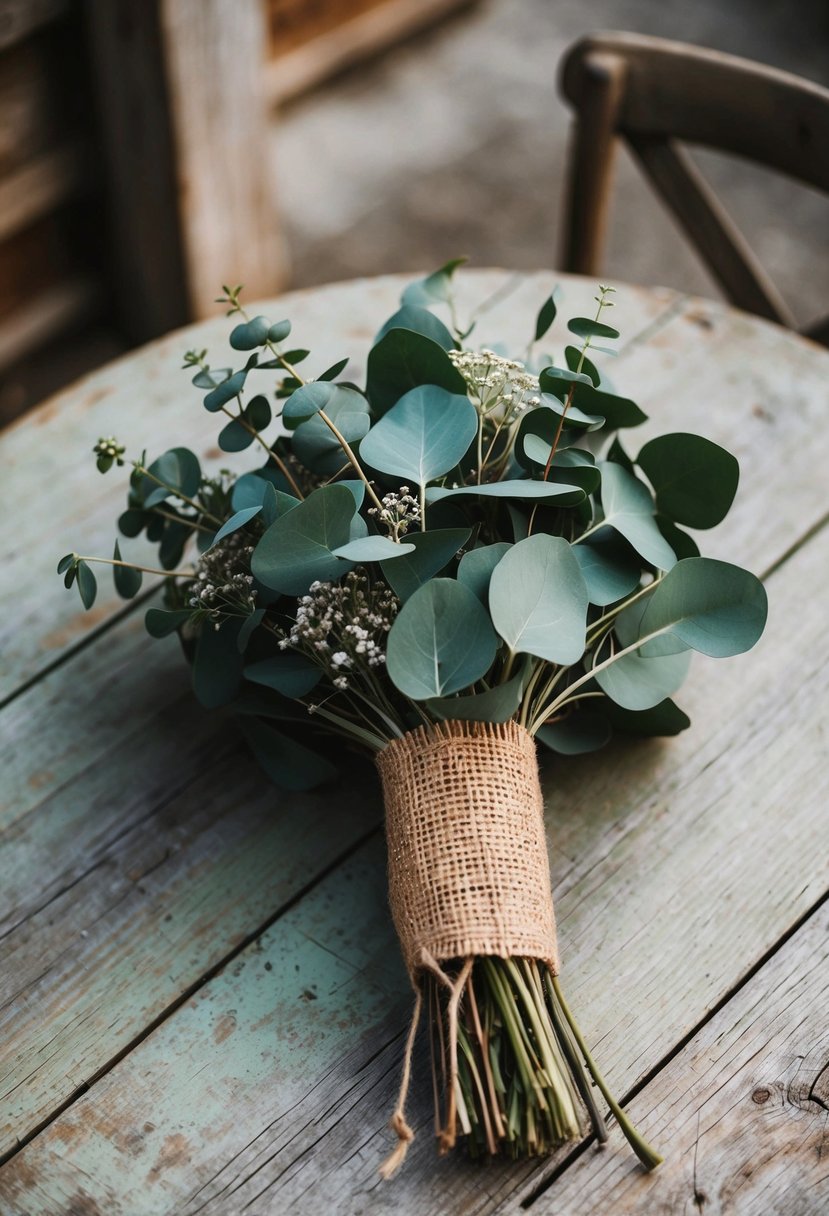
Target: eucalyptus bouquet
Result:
[442, 568]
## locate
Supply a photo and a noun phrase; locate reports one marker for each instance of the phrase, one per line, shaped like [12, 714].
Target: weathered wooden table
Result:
[202, 1009]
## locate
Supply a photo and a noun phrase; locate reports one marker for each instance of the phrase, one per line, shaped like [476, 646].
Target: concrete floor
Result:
[456, 142]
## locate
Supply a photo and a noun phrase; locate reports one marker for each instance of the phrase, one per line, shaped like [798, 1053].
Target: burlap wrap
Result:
[468, 869]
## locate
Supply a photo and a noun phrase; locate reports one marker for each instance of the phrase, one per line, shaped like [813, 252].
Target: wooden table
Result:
[202, 1005]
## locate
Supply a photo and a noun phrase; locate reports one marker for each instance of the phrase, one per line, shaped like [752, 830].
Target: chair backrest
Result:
[654, 93]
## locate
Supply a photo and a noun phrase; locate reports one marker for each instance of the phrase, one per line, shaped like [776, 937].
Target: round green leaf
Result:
[441, 641]
[423, 436]
[403, 360]
[298, 548]
[279, 331]
[237, 521]
[432, 551]
[308, 400]
[586, 327]
[610, 568]
[289, 673]
[159, 623]
[420, 321]
[577, 733]
[694, 479]
[496, 704]
[225, 392]
[538, 600]
[373, 549]
[250, 334]
[476, 566]
[712, 606]
[629, 508]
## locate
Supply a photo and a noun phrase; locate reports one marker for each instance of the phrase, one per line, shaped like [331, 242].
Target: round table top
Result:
[203, 1004]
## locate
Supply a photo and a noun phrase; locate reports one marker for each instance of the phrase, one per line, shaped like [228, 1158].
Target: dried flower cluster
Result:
[223, 583]
[400, 511]
[343, 626]
[493, 380]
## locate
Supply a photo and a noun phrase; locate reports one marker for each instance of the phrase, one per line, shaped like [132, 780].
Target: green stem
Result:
[278, 461]
[647, 1155]
[178, 494]
[352, 458]
[111, 561]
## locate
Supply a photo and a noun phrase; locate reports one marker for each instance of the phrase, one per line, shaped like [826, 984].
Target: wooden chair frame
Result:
[653, 93]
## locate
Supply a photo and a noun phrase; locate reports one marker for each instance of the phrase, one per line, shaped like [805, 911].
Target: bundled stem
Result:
[510, 1070]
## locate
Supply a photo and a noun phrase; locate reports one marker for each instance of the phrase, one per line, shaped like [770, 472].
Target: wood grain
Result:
[742, 1110]
[657, 924]
[137, 854]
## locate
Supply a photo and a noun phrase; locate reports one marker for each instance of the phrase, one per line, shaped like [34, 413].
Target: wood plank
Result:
[42, 185]
[139, 885]
[741, 1111]
[381, 25]
[51, 447]
[648, 950]
[184, 120]
[48, 315]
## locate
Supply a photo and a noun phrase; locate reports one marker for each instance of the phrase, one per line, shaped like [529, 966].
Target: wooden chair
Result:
[653, 93]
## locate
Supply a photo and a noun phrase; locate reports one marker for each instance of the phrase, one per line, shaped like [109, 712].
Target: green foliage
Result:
[127, 579]
[712, 606]
[428, 554]
[461, 538]
[423, 436]
[538, 600]
[694, 479]
[441, 642]
[403, 360]
[298, 548]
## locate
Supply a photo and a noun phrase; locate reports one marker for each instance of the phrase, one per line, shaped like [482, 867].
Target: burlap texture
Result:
[468, 869]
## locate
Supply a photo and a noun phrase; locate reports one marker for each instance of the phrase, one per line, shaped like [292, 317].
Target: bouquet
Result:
[444, 568]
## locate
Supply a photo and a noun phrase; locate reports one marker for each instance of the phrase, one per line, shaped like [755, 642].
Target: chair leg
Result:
[590, 173]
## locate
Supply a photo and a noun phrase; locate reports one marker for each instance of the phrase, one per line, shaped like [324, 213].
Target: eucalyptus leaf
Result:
[403, 360]
[546, 316]
[178, 469]
[126, 578]
[249, 625]
[289, 764]
[308, 400]
[423, 436]
[694, 479]
[629, 508]
[617, 411]
[258, 412]
[420, 321]
[577, 360]
[217, 664]
[476, 566]
[610, 569]
[159, 622]
[586, 327]
[373, 549]
[235, 522]
[211, 377]
[279, 331]
[225, 392]
[316, 445]
[434, 288]
[433, 550]
[638, 681]
[441, 641]
[666, 718]
[538, 491]
[65, 563]
[496, 704]
[87, 584]
[298, 548]
[538, 600]
[577, 733]
[234, 437]
[250, 334]
[291, 674]
[334, 370]
[712, 606]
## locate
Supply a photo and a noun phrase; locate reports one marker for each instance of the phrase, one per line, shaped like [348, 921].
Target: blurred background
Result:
[151, 150]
